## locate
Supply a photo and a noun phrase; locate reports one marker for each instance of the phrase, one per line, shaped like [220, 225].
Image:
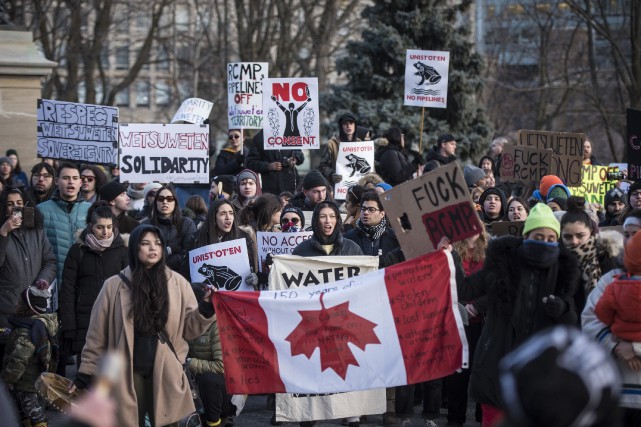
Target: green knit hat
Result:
[541, 216]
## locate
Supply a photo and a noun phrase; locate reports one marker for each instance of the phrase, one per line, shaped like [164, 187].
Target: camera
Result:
[615, 176]
[288, 162]
[28, 215]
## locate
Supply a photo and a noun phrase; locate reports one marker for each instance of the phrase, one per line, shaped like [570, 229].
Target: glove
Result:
[554, 306]
[337, 178]
[252, 280]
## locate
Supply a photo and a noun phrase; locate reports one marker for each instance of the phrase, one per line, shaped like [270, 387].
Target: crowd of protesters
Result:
[89, 263]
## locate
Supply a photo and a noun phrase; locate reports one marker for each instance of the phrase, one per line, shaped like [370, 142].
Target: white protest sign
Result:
[354, 160]
[79, 132]
[426, 77]
[245, 94]
[290, 113]
[222, 265]
[278, 244]
[177, 153]
[193, 110]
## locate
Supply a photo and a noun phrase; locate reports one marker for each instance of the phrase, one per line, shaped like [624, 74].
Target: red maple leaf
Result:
[330, 330]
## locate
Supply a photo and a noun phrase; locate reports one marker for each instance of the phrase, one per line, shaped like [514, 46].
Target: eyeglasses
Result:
[369, 209]
[42, 175]
[288, 220]
[87, 178]
[234, 136]
[165, 198]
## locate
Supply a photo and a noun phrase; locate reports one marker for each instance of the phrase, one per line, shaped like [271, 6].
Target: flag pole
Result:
[420, 144]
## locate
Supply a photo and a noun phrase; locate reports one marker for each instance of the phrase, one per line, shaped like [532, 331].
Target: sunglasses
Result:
[234, 136]
[369, 209]
[288, 220]
[87, 178]
[165, 198]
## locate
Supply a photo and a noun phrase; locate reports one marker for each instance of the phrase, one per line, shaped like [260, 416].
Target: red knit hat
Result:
[548, 181]
[632, 255]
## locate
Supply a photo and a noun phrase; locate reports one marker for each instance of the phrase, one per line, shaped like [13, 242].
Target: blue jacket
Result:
[60, 227]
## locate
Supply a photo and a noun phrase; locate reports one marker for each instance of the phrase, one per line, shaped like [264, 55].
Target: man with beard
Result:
[42, 176]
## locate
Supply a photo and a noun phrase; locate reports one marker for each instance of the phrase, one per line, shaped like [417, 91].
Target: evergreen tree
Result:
[375, 70]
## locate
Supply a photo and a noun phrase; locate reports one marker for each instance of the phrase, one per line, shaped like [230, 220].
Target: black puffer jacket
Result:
[393, 165]
[515, 311]
[435, 160]
[84, 273]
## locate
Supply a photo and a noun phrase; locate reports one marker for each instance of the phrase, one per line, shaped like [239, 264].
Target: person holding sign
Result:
[178, 231]
[231, 159]
[347, 124]
[530, 284]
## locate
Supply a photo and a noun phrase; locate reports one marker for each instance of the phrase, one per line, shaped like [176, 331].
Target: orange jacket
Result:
[619, 307]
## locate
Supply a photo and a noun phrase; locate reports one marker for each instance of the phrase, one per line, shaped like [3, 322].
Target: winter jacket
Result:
[435, 159]
[515, 311]
[379, 247]
[274, 182]
[21, 365]
[111, 327]
[60, 225]
[618, 307]
[229, 162]
[25, 257]
[84, 274]
[126, 224]
[206, 353]
[393, 165]
[595, 328]
[313, 247]
[179, 242]
[300, 201]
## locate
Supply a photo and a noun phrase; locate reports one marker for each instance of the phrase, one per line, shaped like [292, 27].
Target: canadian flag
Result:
[391, 327]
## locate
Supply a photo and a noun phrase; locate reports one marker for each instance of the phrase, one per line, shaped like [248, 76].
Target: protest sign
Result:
[353, 161]
[177, 153]
[520, 163]
[568, 151]
[426, 77]
[633, 146]
[193, 110]
[278, 244]
[594, 183]
[395, 326]
[222, 265]
[290, 113]
[508, 228]
[426, 209]
[78, 132]
[292, 271]
[245, 94]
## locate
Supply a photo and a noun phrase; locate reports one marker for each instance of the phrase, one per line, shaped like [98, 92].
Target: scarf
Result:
[588, 263]
[40, 338]
[96, 245]
[374, 232]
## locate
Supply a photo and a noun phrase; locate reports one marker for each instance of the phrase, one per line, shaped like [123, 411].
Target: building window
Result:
[142, 93]
[162, 93]
[122, 98]
[122, 58]
[162, 58]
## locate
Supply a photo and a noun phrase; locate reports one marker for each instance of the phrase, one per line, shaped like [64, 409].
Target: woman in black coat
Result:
[99, 253]
[393, 164]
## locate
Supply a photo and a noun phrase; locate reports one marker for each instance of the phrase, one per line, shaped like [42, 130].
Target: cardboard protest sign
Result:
[193, 110]
[594, 183]
[354, 160]
[426, 77]
[292, 271]
[245, 94]
[222, 265]
[278, 244]
[177, 153]
[78, 132]
[520, 163]
[426, 209]
[568, 151]
[290, 113]
[633, 146]
[508, 228]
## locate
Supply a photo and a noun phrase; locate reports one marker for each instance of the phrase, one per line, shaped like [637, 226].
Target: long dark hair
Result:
[209, 232]
[26, 200]
[393, 136]
[149, 293]
[176, 215]
[258, 214]
[101, 178]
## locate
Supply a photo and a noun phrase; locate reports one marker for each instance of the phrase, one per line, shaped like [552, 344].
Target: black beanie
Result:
[614, 195]
[297, 211]
[111, 190]
[314, 179]
[347, 117]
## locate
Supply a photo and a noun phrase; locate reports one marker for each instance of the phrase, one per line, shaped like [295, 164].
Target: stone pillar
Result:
[22, 68]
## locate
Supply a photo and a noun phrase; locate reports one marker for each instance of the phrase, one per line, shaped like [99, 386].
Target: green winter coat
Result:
[206, 353]
[21, 366]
